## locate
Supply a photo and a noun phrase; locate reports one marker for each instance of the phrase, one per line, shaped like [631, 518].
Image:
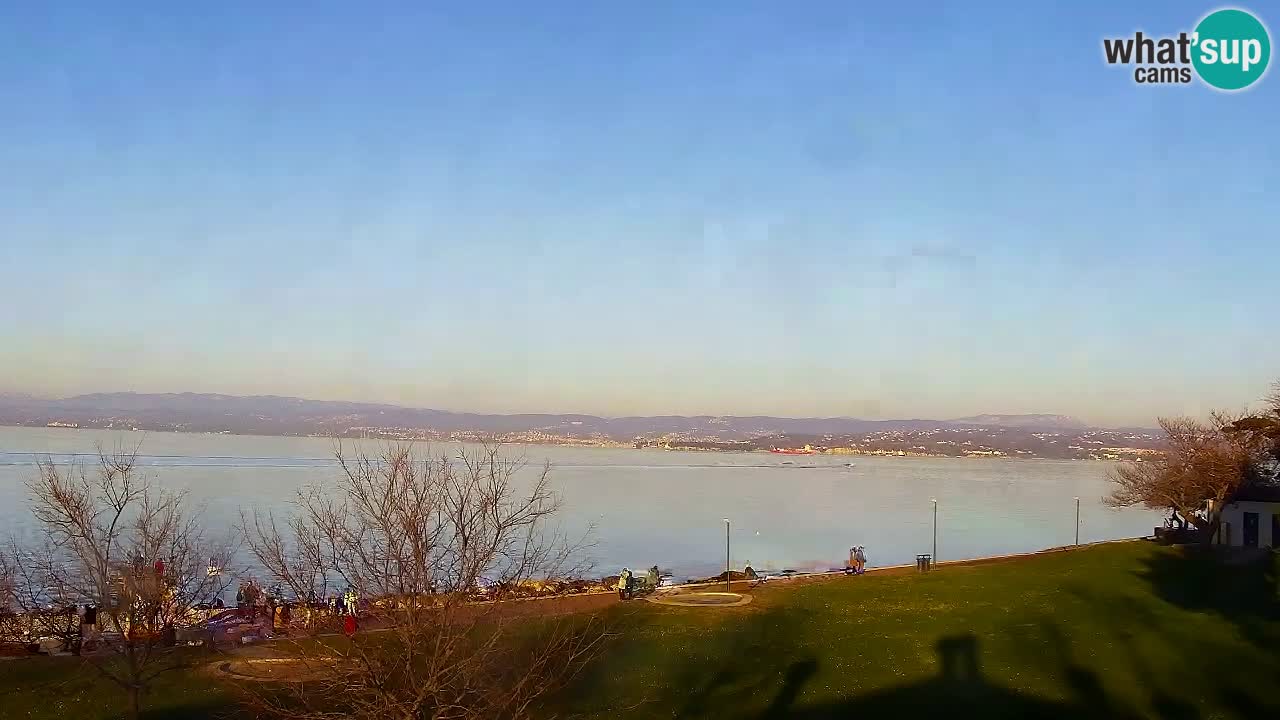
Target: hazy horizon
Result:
[978, 408]
[393, 403]
[698, 209]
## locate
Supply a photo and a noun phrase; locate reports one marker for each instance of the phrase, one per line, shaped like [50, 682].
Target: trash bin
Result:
[923, 562]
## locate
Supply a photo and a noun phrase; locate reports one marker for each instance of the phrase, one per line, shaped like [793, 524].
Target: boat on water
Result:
[806, 450]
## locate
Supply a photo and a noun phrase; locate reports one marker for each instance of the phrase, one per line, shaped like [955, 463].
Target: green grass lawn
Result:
[1121, 630]
[62, 688]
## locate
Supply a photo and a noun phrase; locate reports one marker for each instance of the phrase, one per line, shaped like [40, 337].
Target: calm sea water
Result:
[651, 507]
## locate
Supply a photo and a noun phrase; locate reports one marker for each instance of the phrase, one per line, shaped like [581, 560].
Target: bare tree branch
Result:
[127, 552]
[1203, 466]
[431, 545]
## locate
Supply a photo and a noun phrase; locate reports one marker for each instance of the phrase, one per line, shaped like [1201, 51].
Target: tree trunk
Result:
[135, 702]
[1209, 532]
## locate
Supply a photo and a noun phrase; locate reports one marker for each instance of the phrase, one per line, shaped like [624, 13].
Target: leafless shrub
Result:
[428, 544]
[112, 541]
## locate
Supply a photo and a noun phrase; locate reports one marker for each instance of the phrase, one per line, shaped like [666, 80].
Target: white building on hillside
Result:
[1251, 519]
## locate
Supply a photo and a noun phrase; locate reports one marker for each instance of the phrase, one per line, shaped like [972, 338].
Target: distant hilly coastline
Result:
[272, 414]
[295, 415]
[990, 435]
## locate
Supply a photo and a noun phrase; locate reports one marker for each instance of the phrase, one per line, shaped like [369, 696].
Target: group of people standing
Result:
[251, 598]
[270, 605]
[349, 606]
[347, 603]
[627, 582]
[857, 560]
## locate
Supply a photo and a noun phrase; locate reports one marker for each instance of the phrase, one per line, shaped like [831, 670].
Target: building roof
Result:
[1258, 493]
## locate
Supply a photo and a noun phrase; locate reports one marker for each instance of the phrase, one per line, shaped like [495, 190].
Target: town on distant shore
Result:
[999, 436]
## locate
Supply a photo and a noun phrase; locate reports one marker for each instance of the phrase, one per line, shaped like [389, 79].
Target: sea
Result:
[642, 507]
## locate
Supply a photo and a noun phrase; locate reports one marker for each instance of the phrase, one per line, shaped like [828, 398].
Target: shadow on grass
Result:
[769, 666]
[755, 668]
[1240, 586]
[692, 662]
[961, 690]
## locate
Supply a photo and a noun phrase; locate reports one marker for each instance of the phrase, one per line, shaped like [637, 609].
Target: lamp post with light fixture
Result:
[935, 528]
[1077, 520]
[726, 556]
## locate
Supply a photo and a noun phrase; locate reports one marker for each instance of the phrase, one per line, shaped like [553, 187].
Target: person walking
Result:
[88, 628]
[861, 555]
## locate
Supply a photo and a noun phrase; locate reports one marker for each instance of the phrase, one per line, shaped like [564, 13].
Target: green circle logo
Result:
[1232, 49]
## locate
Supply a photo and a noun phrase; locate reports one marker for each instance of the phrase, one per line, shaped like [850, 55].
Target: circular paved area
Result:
[272, 669]
[701, 599]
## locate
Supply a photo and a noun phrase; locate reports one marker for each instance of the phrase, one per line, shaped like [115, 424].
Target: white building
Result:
[1251, 519]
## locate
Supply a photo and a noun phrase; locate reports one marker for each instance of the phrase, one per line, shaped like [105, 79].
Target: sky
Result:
[826, 208]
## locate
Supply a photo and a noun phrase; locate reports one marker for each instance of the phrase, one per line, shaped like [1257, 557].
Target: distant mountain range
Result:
[1061, 422]
[275, 415]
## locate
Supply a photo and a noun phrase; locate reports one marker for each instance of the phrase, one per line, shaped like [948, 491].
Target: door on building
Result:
[1251, 529]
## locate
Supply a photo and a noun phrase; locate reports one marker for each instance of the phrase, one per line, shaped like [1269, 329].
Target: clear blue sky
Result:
[843, 208]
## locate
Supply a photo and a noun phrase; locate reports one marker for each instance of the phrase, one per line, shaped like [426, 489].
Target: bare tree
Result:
[1203, 465]
[7, 584]
[430, 544]
[128, 550]
[11, 623]
[31, 613]
[1260, 432]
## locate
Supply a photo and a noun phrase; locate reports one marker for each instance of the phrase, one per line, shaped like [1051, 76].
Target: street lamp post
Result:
[1077, 520]
[727, 585]
[935, 529]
